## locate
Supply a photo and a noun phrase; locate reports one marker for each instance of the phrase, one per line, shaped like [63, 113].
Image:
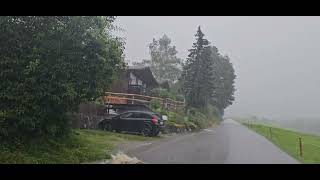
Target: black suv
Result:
[145, 123]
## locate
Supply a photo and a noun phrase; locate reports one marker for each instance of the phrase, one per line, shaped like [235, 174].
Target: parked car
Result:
[142, 122]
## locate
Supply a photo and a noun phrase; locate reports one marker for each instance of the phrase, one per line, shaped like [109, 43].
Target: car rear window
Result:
[127, 115]
[141, 115]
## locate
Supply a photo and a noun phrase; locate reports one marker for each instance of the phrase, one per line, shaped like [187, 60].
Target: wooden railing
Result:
[124, 98]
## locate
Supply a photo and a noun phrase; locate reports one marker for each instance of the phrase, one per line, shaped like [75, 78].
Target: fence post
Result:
[270, 132]
[132, 99]
[166, 106]
[162, 103]
[300, 147]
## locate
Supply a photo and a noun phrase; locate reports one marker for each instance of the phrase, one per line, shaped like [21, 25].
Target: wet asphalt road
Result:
[228, 143]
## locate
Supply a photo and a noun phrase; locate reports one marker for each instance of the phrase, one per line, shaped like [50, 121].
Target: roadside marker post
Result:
[300, 147]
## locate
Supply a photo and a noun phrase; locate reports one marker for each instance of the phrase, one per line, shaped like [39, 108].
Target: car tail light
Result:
[154, 120]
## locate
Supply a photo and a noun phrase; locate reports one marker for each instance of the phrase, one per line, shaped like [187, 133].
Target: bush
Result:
[164, 93]
[155, 104]
[160, 92]
[211, 112]
[179, 97]
[194, 118]
[49, 66]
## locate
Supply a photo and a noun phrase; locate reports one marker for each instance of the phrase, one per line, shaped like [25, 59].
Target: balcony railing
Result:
[124, 98]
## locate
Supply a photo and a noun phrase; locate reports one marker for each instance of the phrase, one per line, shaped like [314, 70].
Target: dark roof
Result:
[144, 73]
[165, 85]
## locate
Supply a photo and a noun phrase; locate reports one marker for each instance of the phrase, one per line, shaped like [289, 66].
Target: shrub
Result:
[49, 65]
[164, 93]
[155, 104]
[179, 97]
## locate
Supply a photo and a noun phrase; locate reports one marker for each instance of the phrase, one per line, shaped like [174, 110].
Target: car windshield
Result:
[224, 89]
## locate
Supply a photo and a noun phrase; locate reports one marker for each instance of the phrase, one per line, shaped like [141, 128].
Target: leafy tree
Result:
[225, 92]
[49, 65]
[164, 63]
[224, 82]
[198, 73]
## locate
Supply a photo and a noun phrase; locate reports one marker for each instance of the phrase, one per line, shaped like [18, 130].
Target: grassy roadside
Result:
[81, 146]
[288, 141]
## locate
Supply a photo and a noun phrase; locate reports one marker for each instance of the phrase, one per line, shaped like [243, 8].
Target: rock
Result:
[122, 158]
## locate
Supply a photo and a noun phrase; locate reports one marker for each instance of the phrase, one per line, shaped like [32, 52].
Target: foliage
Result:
[198, 74]
[208, 77]
[224, 84]
[164, 63]
[160, 92]
[194, 119]
[155, 104]
[49, 65]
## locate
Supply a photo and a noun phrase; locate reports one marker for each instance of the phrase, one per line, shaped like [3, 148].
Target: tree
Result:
[224, 81]
[49, 65]
[198, 73]
[164, 63]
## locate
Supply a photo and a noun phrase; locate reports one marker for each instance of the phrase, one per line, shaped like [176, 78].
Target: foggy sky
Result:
[276, 59]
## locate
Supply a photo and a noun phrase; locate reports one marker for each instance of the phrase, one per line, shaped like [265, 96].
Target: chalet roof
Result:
[144, 73]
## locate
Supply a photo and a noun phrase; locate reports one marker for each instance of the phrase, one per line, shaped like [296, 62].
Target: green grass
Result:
[198, 119]
[288, 141]
[81, 146]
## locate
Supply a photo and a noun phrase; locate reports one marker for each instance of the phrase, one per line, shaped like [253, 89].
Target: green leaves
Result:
[197, 73]
[164, 63]
[207, 77]
[51, 64]
[224, 83]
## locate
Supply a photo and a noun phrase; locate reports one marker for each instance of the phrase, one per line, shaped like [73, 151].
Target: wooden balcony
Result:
[124, 98]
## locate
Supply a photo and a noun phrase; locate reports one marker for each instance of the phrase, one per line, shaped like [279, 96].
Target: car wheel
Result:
[108, 127]
[147, 130]
[156, 133]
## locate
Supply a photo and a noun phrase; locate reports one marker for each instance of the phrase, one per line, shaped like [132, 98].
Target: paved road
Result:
[228, 143]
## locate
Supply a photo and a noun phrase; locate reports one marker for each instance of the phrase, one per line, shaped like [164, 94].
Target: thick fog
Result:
[276, 59]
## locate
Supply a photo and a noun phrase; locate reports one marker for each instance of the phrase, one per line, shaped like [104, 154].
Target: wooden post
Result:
[162, 103]
[300, 147]
[270, 132]
[167, 104]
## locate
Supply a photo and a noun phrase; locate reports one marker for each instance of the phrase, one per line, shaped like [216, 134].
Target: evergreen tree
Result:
[198, 73]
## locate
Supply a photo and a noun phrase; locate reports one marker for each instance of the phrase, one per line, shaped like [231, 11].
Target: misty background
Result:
[276, 59]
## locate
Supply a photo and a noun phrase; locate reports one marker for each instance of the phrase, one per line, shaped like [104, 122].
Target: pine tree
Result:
[198, 73]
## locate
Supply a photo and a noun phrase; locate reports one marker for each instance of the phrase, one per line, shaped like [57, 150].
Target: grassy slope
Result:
[199, 120]
[82, 146]
[288, 140]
